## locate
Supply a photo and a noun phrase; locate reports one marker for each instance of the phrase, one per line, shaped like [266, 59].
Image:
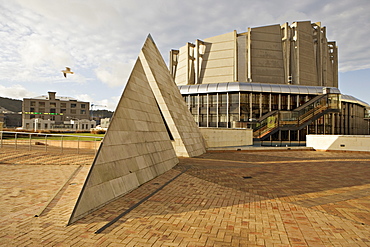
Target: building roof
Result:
[253, 87]
[61, 98]
[264, 87]
[349, 98]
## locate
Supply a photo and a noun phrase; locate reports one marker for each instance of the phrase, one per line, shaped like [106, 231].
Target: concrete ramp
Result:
[149, 123]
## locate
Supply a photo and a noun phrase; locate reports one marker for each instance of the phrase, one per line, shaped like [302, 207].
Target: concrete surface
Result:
[225, 198]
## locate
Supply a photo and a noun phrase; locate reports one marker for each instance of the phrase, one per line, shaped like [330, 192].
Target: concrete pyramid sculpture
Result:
[137, 146]
[188, 141]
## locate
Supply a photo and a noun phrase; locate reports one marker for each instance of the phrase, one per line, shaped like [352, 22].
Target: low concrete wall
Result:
[339, 142]
[216, 137]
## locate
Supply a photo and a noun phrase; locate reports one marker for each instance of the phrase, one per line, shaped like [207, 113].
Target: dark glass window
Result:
[265, 103]
[284, 102]
[233, 108]
[212, 110]
[222, 111]
[255, 105]
[244, 106]
[203, 110]
[274, 102]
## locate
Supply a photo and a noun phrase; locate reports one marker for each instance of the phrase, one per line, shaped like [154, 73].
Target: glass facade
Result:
[242, 109]
[224, 110]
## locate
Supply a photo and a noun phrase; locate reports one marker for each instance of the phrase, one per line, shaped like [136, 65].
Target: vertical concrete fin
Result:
[136, 148]
[188, 140]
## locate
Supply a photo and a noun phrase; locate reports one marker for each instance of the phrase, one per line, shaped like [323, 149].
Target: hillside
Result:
[14, 105]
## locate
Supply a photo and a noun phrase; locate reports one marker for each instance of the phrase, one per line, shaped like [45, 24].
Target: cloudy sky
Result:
[101, 39]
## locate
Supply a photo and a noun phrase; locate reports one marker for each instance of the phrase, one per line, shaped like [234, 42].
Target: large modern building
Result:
[54, 112]
[280, 80]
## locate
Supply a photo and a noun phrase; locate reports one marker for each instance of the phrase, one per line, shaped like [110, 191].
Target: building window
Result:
[83, 106]
[233, 108]
[33, 103]
[222, 111]
[63, 110]
[244, 106]
[73, 111]
[255, 106]
[41, 104]
[32, 109]
[63, 105]
[293, 102]
[53, 104]
[203, 110]
[212, 104]
[52, 110]
[284, 102]
[265, 103]
[83, 111]
[42, 110]
[274, 102]
[73, 105]
[194, 107]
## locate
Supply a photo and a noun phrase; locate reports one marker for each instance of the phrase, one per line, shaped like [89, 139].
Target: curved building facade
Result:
[281, 80]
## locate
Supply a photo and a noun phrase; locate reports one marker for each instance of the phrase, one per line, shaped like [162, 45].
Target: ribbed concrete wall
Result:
[267, 63]
[218, 63]
[306, 73]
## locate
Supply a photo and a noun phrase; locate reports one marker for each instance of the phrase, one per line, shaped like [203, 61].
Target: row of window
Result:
[62, 111]
[58, 104]
[222, 109]
[56, 126]
[230, 110]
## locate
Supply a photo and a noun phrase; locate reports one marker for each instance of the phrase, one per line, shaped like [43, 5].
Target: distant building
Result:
[10, 119]
[280, 80]
[53, 112]
[104, 123]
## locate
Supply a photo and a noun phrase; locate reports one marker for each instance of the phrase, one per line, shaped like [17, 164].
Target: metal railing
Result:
[296, 118]
[50, 142]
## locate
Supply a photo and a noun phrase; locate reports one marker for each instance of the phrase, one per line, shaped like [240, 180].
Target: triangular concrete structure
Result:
[188, 141]
[135, 149]
[137, 145]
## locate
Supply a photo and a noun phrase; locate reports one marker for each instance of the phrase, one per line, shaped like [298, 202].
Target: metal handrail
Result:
[45, 136]
[297, 117]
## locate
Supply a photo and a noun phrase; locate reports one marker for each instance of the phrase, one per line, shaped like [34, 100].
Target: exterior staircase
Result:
[295, 119]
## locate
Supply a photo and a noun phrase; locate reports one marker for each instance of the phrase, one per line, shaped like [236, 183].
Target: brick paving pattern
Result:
[245, 198]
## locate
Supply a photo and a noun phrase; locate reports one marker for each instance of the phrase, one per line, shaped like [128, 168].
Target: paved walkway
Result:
[239, 198]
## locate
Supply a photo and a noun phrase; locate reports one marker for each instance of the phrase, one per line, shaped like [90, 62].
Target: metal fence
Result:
[50, 142]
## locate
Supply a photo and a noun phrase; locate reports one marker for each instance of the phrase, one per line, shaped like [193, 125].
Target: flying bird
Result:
[67, 70]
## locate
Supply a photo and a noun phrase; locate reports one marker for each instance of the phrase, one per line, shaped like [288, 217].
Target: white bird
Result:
[67, 70]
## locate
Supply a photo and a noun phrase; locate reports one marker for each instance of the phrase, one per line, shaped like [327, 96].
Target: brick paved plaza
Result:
[235, 198]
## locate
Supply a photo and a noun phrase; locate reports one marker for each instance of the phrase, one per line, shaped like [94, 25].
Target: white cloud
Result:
[15, 92]
[114, 74]
[103, 104]
[39, 52]
[100, 39]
